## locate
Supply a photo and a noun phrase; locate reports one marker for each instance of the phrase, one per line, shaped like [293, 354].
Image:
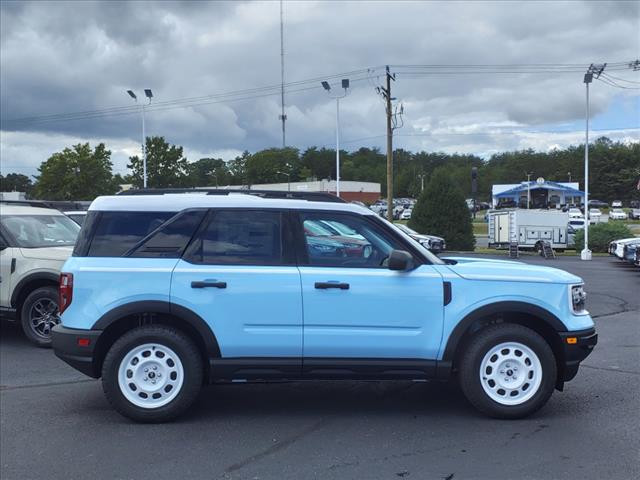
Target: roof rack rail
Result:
[279, 194]
[61, 205]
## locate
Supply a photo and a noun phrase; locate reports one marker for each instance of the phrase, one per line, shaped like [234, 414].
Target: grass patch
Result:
[480, 229]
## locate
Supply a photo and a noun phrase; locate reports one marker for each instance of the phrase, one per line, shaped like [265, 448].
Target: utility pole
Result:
[283, 117]
[588, 78]
[387, 93]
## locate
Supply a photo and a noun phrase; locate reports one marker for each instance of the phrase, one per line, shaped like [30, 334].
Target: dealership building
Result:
[542, 193]
[367, 192]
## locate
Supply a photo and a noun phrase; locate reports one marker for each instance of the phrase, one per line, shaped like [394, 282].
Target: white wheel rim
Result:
[510, 373]
[150, 375]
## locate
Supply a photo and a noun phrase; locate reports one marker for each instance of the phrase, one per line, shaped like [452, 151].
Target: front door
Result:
[239, 275]
[354, 306]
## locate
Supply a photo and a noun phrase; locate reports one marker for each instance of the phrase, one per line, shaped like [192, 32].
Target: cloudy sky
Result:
[61, 59]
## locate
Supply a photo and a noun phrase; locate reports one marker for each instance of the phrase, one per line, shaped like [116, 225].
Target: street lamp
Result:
[288, 179]
[327, 87]
[588, 78]
[528, 188]
[149, 94]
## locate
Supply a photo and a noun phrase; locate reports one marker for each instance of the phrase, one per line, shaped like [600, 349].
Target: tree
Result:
[441, 210]
[16, 182]
[272, 165]
[166, 167]
[208, 172]
[76, 173]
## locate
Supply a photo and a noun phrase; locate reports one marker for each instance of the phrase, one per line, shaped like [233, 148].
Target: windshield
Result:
[617, 210]
[34, 231]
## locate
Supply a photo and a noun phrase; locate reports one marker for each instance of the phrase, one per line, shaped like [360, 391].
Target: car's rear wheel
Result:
[39, 314]
[152, 373]
[508, 371]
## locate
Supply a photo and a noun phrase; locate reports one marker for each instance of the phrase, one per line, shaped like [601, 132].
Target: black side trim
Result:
[8, 313]
[179, 311]
[36, 276]
[292, 368]
[447, 293]
[13, 265]
[255, 368]
[368, 368]
[494, 309]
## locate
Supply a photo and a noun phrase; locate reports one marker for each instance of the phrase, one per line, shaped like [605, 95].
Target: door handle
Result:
[208, 283]
[325, 285]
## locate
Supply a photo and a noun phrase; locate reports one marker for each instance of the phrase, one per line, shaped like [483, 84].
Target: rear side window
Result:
[115, 233]
[240, 237]
[170, 240]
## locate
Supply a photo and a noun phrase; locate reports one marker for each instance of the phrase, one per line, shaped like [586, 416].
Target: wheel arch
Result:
[128, 316]
[30, 283]
[538, 319]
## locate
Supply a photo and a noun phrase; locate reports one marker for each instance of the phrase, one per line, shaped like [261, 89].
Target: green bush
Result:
[441, 210]
[601, 234]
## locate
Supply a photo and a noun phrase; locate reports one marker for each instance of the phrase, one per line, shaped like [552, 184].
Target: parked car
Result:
[430, 242]
[595, 214]
[575, 212]
[598, 204]
[406, 214]
[616, 247]
[634, 214]
[166, 294]
[617, 214]
[77, 216]
[34, 243]
[616, 204]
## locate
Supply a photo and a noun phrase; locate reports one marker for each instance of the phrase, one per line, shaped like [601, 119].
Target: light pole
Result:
[149, 94]
[528, 188]
[421, 177]
[288, 179]
[327, 87]
[569, 173]
[588, 78]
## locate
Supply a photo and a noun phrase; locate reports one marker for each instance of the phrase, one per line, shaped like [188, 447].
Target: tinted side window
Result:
[116, 232]
[172, 237]
[240, 237]
[342, 240]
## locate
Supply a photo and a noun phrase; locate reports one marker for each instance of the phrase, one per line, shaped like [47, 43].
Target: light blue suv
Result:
[167, 292]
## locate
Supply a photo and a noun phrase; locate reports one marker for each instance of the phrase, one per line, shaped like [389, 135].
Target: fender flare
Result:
[47, 276]
[492, 309]
[153, 306]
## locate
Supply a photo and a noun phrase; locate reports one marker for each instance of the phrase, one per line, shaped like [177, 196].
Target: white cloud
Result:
[75, 56]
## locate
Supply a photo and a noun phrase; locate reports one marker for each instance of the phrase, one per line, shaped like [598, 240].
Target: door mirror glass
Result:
[400, 260]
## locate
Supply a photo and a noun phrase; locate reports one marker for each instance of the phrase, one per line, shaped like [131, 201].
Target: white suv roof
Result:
[181, 201]
[9, 209]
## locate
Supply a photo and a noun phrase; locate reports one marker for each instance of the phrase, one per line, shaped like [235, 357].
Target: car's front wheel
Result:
[507, 371]
[152, 373]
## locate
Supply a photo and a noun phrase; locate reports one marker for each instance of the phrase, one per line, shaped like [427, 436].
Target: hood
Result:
[422, 236]
[47, 253]
[508, 270]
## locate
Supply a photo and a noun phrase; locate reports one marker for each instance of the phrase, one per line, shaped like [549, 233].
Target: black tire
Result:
[165, 336]
[36, 322]
[480, 345]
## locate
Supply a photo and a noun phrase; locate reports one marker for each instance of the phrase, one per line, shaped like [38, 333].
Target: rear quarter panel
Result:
[102, 284]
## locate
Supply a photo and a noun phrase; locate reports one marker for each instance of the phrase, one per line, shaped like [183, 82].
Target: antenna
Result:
[282, 116]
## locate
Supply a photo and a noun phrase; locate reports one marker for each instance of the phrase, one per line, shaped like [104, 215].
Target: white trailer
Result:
[528, 228]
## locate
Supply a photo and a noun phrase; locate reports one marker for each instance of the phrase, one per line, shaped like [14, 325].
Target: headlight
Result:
[578, 299]
[426, 243]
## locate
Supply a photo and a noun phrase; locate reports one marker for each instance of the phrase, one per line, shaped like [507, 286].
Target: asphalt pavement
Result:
[56, 424]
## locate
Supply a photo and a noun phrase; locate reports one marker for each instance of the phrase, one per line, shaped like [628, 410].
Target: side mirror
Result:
[400, 260]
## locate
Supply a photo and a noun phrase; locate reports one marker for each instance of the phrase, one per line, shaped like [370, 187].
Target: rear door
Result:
[239, 275]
